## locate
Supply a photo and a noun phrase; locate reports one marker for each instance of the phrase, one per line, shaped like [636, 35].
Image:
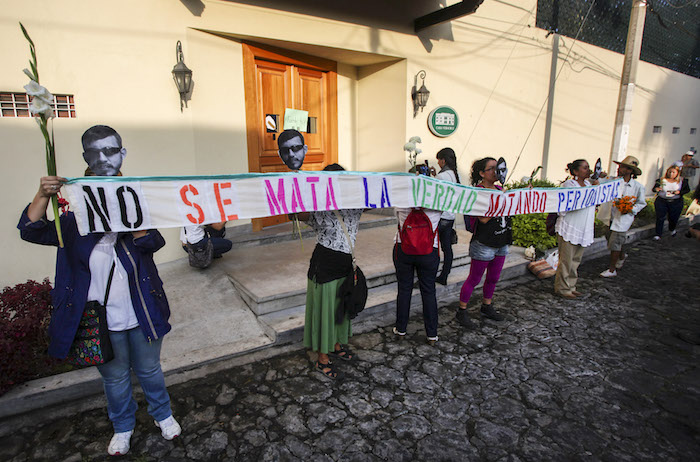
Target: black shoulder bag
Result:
[92, 346]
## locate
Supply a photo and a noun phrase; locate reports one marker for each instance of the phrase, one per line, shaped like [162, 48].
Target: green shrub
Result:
[535, 184]
[646, 216]
[531, 230]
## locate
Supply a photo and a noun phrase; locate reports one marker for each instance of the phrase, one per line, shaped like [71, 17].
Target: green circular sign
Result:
[443, 121]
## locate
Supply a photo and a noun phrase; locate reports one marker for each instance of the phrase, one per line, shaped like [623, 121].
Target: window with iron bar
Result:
[17, 105]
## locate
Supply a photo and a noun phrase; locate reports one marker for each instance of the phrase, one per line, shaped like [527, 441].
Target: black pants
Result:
[445, 235]
[426, 266]
[672, 209]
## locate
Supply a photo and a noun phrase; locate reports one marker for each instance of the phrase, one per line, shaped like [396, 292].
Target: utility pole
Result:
[628, 82]
[550, 105]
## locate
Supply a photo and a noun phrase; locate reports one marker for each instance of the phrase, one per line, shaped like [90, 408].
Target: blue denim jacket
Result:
[73, 278]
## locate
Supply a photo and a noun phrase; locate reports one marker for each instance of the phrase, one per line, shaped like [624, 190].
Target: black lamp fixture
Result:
[182, 76]
[420, 96]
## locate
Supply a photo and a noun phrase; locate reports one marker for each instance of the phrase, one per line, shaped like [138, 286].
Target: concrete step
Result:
[284, 284]
[288, 324]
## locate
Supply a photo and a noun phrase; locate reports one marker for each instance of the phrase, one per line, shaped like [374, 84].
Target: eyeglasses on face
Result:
[489, 169]
[106, 151]
[288, 149]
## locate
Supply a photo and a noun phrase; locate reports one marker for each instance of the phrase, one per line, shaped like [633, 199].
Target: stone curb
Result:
[76, 391]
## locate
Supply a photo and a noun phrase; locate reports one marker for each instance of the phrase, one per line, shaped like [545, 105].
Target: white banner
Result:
[133, 203]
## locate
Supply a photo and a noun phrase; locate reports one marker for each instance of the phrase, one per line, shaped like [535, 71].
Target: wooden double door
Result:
[276, 80]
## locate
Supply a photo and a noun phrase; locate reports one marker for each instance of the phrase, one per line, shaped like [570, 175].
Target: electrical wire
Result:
[547, 98]
[495, 85]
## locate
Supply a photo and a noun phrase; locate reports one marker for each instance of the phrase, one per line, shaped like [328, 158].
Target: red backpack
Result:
[417, 235]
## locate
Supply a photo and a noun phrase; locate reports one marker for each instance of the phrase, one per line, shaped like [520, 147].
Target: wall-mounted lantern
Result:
[420, 96]
[182, 76]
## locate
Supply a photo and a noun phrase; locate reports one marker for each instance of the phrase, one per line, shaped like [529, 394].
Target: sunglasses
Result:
[106, 151]
[289, 149]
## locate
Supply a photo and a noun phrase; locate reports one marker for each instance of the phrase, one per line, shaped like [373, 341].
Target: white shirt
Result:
[576, 226]
[120, 310]
[621, 223]
[447, 175]
[433, 215]
[192, 234]
[668, 188]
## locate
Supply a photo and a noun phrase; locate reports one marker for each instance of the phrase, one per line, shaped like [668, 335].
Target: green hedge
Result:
[531, 230]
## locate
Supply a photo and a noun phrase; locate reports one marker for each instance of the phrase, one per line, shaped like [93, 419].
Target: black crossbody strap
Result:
[109, 282]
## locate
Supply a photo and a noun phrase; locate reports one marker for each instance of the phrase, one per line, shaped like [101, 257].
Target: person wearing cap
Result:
[628, 169]
[690, 165]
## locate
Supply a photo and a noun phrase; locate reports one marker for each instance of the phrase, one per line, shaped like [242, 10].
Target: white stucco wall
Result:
[116, 58]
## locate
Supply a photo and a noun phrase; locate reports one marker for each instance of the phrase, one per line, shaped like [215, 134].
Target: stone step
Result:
[285, 285]
[288, 324]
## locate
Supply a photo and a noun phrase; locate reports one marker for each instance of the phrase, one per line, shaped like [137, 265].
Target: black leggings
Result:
[445, 236]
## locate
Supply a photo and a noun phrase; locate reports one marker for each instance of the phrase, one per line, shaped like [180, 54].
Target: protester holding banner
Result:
[488, 248]
[630, 203]
[574, 232]
[331, 263]
[447, 161]
[415, 251]
[119, 264]
[669, 200]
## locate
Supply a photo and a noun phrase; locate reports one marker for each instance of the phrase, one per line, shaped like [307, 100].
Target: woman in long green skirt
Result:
[330, 265]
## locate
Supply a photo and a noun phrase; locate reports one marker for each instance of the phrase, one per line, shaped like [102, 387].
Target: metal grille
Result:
[671, 29]
[17, 105]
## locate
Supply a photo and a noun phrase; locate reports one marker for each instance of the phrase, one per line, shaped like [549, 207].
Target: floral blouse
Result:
[329, 232]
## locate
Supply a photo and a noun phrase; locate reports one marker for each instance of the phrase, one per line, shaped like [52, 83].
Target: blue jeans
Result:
[426, 266]
[221, 245]
[133, 352]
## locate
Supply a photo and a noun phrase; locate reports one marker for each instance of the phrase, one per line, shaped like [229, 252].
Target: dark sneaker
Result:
[488, 312]
[462, 317]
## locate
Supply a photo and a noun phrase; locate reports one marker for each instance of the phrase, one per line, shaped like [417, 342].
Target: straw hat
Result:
[631, 162]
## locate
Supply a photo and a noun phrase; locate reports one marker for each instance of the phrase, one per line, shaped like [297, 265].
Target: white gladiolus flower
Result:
[418, 151]
[36, 90]
[29, 74]
[415, 139]
[39, 106]
[409, 146]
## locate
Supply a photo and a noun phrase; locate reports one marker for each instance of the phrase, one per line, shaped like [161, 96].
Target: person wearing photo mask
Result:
[137, 308]
[291, 149]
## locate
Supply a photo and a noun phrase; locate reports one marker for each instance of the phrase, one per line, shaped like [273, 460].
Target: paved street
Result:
[605, 377]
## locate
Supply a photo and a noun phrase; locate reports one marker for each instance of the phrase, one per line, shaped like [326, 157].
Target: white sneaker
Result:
[656, 238]
[432, 340]
[608, 274]
[673, 233]
[120, 443]
[169, 428]
[397, 332]
[619, 263]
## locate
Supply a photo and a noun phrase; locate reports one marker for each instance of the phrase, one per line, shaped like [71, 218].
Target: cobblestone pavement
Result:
[604, 377]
